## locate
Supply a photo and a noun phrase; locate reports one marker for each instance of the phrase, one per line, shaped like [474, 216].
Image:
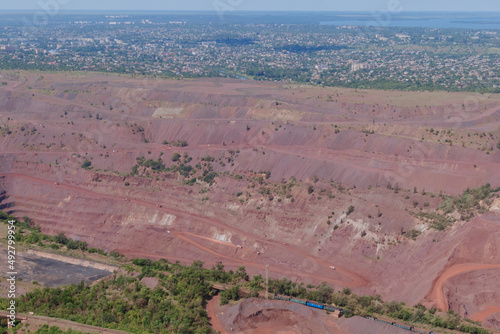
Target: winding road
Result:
[437, 294]
[212, 315]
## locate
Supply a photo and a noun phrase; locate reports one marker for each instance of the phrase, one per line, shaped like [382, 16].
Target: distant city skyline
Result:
[258, 5]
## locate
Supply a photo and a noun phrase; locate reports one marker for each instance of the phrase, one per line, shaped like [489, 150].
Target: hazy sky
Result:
[263, 5]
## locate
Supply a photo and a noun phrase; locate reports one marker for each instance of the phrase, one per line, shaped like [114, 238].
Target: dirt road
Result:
[485, 313]
[212, 315]
[437, 294]
[38, 320]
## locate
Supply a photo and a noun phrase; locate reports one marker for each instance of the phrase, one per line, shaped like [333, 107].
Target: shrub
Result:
[413, 234]
[208, 158]
[61, 238]
[191, 182]
[142, 262]
[86, 164]
[209, 178]
[179, 143]
[230, 294]
[176, 157]
[114, 254]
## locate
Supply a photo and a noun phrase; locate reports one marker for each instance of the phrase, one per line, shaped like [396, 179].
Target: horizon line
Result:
[252, 11]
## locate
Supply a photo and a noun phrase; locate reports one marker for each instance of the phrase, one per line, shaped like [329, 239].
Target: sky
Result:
[258, 5]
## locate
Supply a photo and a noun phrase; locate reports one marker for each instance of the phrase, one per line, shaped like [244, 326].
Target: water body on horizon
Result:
[420, 20]
[382, 18]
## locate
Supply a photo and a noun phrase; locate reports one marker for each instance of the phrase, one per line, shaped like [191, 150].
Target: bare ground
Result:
[436, 142]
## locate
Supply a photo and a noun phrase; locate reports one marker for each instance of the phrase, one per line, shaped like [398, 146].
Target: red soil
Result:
[348, 137]
[255, 316]
[484, 314]
[353, 279]
[475, 295]
[212, 315]
[437, 294]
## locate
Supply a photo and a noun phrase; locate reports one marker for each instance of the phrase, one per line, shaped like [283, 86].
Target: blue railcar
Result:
[315, 305]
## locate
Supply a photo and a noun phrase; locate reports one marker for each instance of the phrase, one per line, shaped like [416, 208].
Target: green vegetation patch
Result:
[469, 202]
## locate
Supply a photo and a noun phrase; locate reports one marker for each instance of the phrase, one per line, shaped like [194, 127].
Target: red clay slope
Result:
[343, 138]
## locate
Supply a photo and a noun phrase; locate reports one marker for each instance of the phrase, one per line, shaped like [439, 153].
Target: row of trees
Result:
[175, 305]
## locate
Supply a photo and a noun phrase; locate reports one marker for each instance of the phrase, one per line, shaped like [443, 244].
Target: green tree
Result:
[350, 210]
[175, 157]
[61, 238]
[86, 164]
